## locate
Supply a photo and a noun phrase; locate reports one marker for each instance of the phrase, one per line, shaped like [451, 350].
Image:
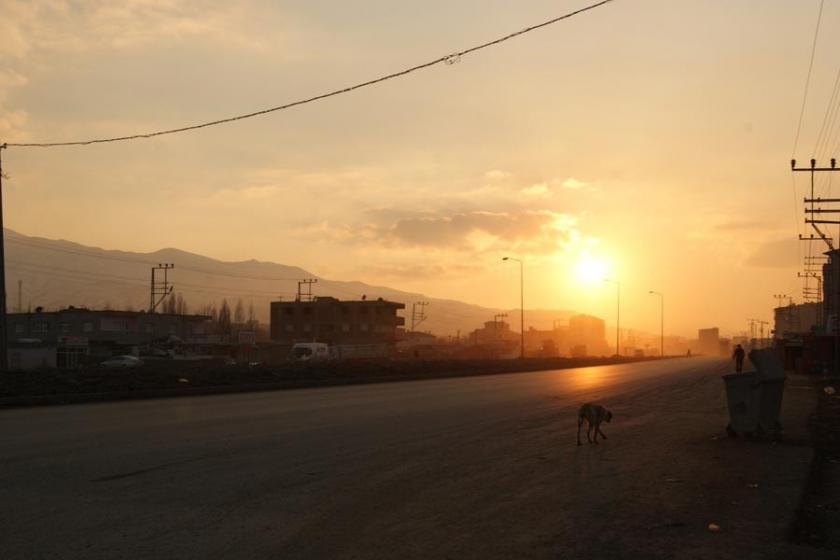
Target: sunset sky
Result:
[648, 140]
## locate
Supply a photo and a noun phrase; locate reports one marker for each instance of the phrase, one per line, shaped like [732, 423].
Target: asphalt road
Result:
[480, 467]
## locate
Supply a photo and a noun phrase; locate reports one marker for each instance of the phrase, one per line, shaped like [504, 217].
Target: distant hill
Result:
[58, 273]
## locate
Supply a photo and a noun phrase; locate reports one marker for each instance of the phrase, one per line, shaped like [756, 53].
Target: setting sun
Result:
[591, 269]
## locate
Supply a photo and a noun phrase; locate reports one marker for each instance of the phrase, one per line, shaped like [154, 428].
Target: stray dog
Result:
[594, 414]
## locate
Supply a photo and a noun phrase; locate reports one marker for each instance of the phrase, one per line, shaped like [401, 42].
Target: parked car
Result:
[122, 362]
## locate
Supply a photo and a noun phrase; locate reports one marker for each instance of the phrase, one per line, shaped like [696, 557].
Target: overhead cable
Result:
[807, 80]
[448, 59]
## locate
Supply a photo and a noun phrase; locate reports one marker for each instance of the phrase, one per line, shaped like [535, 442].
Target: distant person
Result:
[688, 354]
[738, 355]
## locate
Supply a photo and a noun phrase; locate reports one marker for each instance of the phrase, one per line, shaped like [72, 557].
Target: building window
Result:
[64, 328]
[307, 311]
[364, 327]
[290, 311]
[363, 310]
[87, 327]
[345, 327]
[149, 328]
[41, 327]
[289, 327]
[345, 310]
[19, 328]
[307, 328]
[172, 329]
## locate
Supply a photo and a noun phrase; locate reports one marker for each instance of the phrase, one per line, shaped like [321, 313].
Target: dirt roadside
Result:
[818, 520]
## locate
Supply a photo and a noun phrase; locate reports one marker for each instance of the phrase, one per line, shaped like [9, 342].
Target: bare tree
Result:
[252, 319]
[169, 304]
[239, 313]
[224, 318]
[181, 305]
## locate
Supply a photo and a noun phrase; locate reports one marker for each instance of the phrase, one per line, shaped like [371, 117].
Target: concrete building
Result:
[118, 327]
[327, 319]
[708, 341]
[590, 332]
[583, 336]
[831, 293]
[75, 334]
[793, 321]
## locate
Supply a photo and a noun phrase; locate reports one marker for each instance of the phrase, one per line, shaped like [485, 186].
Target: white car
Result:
[122, 362]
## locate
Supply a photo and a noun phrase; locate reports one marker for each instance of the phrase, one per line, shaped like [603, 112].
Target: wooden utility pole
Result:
[158, 288]
[4, 348]
[418, 317]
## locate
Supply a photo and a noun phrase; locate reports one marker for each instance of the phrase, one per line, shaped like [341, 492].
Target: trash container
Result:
[754, 399]
[770, 406]
[742, 401]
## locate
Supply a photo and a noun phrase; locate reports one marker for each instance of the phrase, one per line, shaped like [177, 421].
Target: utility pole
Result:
[781, 297]
[661, 322]
[418, 317]
[521, 304]
[4, 348]
[159, 288]
[496, 324]
[752, 329]
[307, 294]
[814, 216]
[617, 315]
[786, 313]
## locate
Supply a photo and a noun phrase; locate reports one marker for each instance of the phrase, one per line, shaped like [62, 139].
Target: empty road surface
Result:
[480, 467]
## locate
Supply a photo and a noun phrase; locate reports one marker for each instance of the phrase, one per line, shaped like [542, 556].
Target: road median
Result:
[179, 379]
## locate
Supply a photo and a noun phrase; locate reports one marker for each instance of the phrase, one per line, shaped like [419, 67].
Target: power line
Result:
[807, 80]
[827, 128]
[448, 59]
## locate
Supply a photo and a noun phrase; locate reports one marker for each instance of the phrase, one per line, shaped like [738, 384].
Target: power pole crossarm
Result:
[159, 289]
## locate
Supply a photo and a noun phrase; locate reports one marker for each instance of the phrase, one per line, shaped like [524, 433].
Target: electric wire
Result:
[448, 59]
[808, 80]
[828, 119]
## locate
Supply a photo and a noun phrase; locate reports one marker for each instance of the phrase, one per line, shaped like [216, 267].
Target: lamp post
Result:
[617, 313]
[661, 322]
[521, 304]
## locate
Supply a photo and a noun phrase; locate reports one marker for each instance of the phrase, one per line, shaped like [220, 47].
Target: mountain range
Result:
[54, 274]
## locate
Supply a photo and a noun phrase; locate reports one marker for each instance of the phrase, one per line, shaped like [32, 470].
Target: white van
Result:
[310, 352]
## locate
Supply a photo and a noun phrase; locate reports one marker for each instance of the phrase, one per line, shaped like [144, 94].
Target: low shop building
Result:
[80, 335]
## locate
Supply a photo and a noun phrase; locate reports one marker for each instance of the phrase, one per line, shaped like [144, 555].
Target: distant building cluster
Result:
[337, 329]
[74, 336]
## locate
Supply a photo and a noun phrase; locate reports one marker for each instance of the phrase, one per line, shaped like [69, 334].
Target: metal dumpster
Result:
[754, 399]
[770, 406]
[742, 400]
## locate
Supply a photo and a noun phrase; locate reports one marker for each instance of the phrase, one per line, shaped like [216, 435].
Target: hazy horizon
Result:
[624, 143]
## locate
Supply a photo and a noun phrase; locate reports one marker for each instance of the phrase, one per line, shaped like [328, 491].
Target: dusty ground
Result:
[455, 468]
[818, 523]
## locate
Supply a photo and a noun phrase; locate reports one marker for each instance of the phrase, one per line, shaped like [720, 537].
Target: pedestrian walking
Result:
[738, 356]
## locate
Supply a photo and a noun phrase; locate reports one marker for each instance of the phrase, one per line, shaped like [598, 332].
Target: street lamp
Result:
[661, 322]
[617, 312]
[521, 304]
